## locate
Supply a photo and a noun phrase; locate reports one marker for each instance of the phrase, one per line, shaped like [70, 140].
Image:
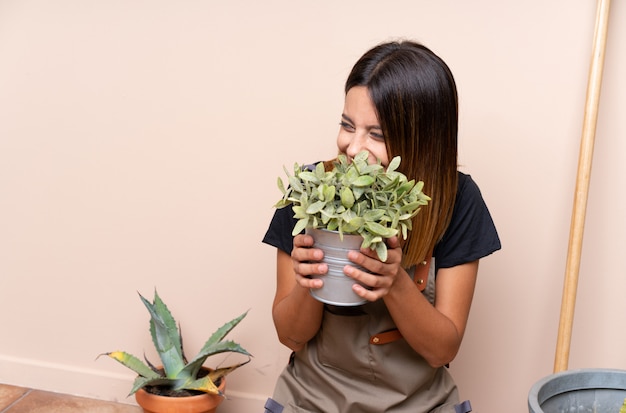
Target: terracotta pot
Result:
[204, 403]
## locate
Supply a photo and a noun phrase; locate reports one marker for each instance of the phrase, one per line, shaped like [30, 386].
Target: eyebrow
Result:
[369, 127]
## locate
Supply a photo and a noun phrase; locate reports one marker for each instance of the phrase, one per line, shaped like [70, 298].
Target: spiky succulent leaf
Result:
[132, 363]
[141, 382]
[215, 345]
[204, 384]
[165, 336]
[207, 383]
[218, 373]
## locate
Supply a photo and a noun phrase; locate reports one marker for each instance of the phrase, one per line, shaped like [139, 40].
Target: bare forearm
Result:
[297, 315]
[297, 318]
[426, 330]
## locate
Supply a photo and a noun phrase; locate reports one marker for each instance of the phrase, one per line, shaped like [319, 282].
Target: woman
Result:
[388, 355]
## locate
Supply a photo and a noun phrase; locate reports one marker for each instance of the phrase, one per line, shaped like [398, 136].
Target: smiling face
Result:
[360, 129]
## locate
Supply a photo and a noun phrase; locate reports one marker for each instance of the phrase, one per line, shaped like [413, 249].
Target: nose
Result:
[357, 144]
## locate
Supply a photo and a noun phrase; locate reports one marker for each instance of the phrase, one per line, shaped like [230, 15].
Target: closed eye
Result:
[377, 136]
[346, 126]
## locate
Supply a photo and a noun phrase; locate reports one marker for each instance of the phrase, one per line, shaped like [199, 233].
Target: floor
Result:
[22, 400]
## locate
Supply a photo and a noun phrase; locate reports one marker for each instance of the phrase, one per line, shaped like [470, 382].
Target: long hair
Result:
[415, 97]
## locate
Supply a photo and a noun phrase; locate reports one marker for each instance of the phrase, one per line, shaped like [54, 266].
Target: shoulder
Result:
[471, 233]
[467, 188]
[468, 197]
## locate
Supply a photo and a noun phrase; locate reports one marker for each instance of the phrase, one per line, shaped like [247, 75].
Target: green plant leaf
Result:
[367, 240]
[411, 207]
[419, 186]
[372, 169]
[374, 214]
[353, 224]
[328, 213]
[348, 215]
[165, 336]
[299, 212]
[215, 345]
[281, 186]
[320, 171]
[363, 180]
[361, 156]
[315, 207]
[381, 230]
[308, 176]
[333, 224]
[394, 164]
[218, 373]
[205, 384]
[404, 229]
[381, 250]
[132, 363]
[295, 184]
[159, 381]
[329, 192]
[404, 188]
[282, 203]
[347, 197]
[300, 226]
[358, 192]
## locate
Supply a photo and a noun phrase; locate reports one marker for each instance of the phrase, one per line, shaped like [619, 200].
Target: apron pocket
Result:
[343, 343]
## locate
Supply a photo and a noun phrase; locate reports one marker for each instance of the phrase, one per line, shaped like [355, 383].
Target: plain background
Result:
[140, 142]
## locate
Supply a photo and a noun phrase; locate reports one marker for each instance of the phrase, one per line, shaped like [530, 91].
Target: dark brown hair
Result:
[415, 97]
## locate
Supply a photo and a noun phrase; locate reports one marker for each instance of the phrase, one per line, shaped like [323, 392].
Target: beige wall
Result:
[140, 142]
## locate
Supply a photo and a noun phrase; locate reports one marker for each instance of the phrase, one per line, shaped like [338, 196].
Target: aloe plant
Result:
[354, 198]
[178, 374]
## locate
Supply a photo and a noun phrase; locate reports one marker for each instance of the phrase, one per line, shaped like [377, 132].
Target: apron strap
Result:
[421, 274]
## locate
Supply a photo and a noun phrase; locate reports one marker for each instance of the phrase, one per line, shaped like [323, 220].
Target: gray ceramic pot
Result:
[584, 390]
[337, 289]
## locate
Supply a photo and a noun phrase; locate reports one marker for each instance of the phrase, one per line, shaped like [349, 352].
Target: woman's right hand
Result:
[306, 262]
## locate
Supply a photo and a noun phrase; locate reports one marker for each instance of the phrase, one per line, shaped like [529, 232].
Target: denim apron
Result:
[359, 363]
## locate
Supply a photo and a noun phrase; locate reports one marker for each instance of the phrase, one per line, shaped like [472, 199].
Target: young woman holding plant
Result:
[390, 353]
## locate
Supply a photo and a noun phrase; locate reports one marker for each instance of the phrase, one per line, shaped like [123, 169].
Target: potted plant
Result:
[179, 385]
[360, 203]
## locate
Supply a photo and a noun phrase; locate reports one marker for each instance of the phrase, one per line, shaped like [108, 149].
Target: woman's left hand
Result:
[383, 274]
